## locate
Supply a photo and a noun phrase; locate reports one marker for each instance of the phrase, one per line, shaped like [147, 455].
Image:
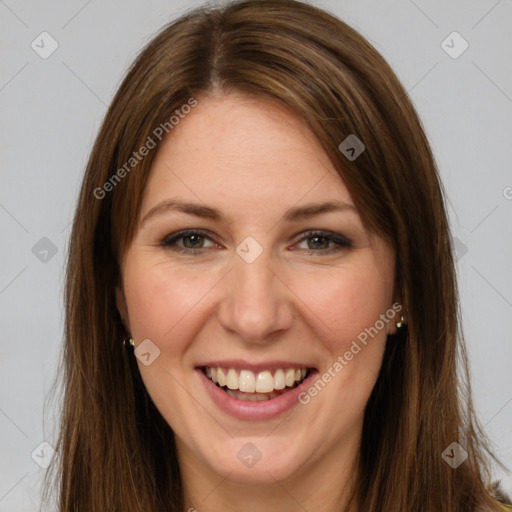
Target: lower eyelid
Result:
[333, 247]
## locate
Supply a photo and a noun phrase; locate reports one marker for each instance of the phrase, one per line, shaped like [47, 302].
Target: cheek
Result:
[346, 302]
[161, 300]
[166, 305]
[346, 311]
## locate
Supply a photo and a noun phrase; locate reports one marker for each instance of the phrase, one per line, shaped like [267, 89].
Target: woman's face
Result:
[271, 284]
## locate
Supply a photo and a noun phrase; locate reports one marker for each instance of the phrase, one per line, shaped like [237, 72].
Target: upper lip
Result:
[241, 364]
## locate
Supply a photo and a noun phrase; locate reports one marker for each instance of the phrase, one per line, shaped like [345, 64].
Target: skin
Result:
[297, 301]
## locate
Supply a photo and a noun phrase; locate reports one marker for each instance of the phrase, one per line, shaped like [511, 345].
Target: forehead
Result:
[243, 154]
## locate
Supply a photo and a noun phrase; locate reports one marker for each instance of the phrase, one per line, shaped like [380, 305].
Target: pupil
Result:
[317, 239]
[192, 237]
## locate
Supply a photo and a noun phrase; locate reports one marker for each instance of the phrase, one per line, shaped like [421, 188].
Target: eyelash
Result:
[340, 241]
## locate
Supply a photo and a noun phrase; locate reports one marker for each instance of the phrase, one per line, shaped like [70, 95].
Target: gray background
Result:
[51, 110]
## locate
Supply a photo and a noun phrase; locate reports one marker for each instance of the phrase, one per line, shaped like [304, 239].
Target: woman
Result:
[261, 307]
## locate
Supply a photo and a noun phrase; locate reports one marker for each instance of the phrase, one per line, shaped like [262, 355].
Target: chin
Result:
[255, 462]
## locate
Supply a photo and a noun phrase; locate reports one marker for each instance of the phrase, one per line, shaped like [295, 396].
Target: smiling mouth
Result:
[255, 387]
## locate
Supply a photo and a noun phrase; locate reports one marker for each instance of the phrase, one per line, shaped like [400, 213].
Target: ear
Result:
[122, 308]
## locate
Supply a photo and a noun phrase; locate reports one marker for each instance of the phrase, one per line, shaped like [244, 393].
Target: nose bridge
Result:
[255, 302]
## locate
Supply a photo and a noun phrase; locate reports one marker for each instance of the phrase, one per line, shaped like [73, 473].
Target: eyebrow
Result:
[207, 212]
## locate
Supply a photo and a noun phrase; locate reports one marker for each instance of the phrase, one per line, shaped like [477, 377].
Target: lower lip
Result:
[264, 410]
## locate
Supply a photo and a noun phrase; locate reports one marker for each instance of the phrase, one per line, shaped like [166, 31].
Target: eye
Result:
[193, 241]
[324, 242]
[190, 241]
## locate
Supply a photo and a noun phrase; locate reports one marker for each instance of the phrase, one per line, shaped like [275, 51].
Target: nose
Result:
[255, 303]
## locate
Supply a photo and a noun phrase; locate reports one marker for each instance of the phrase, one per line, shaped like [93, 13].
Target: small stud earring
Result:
[401, 322]
[130, 341]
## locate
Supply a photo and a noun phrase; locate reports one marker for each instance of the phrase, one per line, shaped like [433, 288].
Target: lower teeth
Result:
[253, 397]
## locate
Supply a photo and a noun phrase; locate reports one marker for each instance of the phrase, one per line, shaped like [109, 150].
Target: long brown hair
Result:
[116, 452]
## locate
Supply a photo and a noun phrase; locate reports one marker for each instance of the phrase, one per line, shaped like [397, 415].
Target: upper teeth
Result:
[250, 382]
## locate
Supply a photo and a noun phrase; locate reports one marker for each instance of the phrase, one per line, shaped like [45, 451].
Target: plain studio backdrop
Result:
[61, 64]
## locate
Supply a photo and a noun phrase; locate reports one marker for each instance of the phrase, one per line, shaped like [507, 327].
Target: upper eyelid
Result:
[187, 232]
